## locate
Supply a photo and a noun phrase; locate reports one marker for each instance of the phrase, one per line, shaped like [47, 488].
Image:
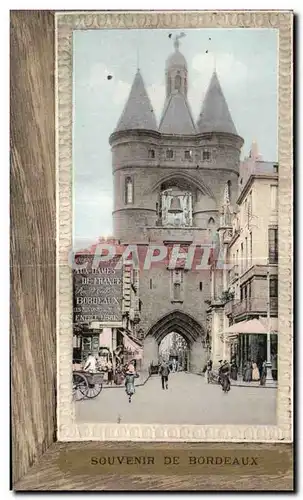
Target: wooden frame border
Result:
[33, 281]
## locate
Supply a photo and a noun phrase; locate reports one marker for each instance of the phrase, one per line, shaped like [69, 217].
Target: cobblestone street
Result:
[188, 400]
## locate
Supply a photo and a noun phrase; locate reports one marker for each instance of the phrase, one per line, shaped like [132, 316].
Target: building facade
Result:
[95, 326]
[169, 184]
[247, 287]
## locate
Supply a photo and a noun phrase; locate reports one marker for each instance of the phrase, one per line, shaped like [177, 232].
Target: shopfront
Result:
[253, 347]
[248, 343]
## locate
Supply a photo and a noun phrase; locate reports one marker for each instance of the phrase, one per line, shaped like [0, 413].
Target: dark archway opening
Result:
[174, 348]
[177, 322]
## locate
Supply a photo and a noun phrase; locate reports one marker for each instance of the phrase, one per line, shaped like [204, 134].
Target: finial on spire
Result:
[176, 40]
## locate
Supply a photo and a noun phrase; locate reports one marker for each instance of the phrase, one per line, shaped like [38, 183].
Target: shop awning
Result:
[130, 344]
[253, 327]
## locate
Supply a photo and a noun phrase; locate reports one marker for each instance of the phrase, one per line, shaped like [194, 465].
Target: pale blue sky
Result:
[246, 62]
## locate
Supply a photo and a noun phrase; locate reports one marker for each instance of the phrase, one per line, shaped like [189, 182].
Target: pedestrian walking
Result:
[174, 364]
[130, 377]
[224, 373]
[110, 374]
[234, 370]
[164, 372]
[247, 372]
[208, 370]
[263, 374]
[255, 372]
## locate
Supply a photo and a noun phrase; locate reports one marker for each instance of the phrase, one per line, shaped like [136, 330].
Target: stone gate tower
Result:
[169, 184]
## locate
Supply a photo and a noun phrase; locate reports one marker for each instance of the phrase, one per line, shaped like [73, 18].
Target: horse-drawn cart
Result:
[86, 385]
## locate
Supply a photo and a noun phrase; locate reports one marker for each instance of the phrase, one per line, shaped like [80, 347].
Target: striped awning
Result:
[132, 346]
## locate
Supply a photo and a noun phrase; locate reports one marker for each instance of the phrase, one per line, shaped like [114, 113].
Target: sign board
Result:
[97, 290]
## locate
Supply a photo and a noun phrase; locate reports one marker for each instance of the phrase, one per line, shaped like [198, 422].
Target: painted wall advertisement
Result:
[97, 290]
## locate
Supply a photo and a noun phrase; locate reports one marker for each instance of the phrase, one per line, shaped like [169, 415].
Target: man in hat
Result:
[164, 372]
[90, 364]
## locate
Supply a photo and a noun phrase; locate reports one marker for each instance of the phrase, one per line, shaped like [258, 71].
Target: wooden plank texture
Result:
[46, 475]
[33, 290]
[33, 299]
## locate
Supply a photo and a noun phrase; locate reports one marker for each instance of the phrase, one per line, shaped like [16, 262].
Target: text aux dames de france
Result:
[97, 293]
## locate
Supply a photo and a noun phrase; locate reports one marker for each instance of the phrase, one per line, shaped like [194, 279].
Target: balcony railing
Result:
[233, 273]
[254, 305]
[229, 307]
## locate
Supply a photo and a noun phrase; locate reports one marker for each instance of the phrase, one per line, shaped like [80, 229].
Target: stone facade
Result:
[149, 164]
[248, 285]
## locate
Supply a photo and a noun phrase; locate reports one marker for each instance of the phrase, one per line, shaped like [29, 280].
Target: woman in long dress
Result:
[255, 372]
[247, 372]
[130, 382]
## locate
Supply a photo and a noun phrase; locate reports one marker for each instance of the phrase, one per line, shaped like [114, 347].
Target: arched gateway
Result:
[184, 324]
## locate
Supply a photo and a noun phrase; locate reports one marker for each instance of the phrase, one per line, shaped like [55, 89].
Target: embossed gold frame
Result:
[33, 244]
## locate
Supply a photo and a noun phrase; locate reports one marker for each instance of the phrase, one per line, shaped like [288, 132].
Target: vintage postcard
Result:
[174, 193]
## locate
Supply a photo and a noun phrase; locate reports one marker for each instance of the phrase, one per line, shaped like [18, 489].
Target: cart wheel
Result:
[92, 390]
[80, 385]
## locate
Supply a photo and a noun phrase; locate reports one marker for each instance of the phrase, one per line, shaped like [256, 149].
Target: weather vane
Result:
[177, 38]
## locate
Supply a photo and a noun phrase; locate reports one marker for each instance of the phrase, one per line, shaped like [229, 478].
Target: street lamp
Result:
[269, 378]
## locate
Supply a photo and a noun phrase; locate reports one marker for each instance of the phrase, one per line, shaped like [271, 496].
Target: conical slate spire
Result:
[138, 112]
[176, 117]
[215, 115]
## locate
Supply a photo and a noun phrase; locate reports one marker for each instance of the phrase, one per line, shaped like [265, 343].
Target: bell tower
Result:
[176, 71]
[168, 185]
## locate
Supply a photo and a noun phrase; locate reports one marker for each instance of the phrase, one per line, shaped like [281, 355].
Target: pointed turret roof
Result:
[177, 117]
[138, 112]
[215, 115]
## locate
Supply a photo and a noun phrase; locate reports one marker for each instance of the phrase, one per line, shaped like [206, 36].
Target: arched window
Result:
[211, 228]
[229, 189]
[169, 154]
[177, 82]
[151, 153]
[129, 191]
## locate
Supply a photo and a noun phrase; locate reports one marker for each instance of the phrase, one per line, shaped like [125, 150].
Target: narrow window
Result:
[177, 294]
[273, 293]
[201, 286]
[169, 154]
[246, 253]
[273, 245]
[177, 284]
[206, 154]
[128, 191]
[188, 154]
[177, 82]
[229, 189]
[150, 284]
[151, 153]
[251, 248]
